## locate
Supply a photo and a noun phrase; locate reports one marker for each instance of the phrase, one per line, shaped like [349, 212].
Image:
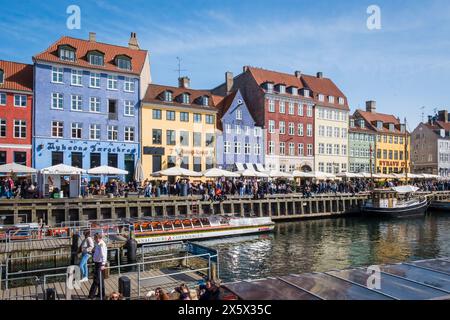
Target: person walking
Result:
[100, 258]
[86, 247]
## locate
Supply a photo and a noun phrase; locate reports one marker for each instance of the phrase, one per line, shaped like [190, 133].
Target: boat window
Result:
[168, 225]
[196, 223]
[205, 222]
[177, 224]
[187, 223]
[156, 225]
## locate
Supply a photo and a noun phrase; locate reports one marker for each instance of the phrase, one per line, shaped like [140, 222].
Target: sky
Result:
[404, 66]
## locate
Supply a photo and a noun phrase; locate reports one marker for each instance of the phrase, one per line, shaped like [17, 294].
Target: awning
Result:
[252, 173]
[405, 189]
[218, 173]
[16, 168]
[176, 172]
[279, 174]
[106, 170]
[63, 169]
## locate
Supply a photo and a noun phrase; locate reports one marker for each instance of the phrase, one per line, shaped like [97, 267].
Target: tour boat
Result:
[404, 204]
[443, 205]
[194, 228]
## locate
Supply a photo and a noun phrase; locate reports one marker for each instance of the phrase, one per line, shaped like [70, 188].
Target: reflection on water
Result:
[322, 245]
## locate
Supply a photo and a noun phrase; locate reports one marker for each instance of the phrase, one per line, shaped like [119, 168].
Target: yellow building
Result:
[177, 128]
[391, 154]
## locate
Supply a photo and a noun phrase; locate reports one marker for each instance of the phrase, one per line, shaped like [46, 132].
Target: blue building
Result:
[239, 142]
[86, 106]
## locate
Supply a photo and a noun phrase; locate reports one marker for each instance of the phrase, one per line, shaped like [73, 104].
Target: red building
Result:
[282, 104]
[16, 102]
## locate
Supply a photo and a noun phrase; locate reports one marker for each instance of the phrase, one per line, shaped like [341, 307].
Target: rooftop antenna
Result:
[423, 113]
[179, 70]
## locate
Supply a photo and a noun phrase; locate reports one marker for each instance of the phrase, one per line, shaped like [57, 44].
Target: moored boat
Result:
[176, 229]
[443, 205]
[404, 204]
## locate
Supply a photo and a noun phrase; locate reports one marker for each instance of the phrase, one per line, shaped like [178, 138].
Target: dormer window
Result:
[379, 125]
[168, 96]
[123, 62]
[402, 128]
[341, 100]
[352, 123]
[67, 53]
[391, 127]
[238, 114]
[2, 76]
[269, 87]
[205, 100]
[293, 91]
[185, 98]
[96, 58]
[306, 93]
[330, 99]
[362, 123]
[282, 89]
[321, 97]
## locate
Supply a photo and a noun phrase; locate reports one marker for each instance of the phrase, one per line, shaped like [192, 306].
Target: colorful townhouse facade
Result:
[239, 142]
[392, 140]
[16, 105]
[430, 146]
[283, 106]
[178, 128]
[361, 144]
[87, 103]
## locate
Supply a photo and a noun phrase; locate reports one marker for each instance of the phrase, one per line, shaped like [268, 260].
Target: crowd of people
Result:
[23, 188]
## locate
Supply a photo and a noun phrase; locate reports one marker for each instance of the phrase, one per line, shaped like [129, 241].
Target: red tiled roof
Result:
[155, 92]
[223, 106]
[84, 46]
[326, 87]
[372, 117]
[261, 76]
[444, 125]
[17, 76]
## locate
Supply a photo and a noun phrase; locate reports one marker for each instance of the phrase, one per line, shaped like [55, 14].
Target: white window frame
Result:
[247, 149]
[271, 105]
[59, 73]
[22, 125]
[282, 127]
[76, 78]
[237, 147]
[309, 111]
[271, 147]
[94, 131]
[79, 102]
[95, 80]
[301, 149]
[22, 98]
[112, 82]
[257, 149]
[113, 131]
[291, 108]
[300, 130]
[128, 84]
[78, 127]
[60, 100]
[3, 98]
[227, 147]
[238, 114]
[271, 126]
[310, 149]
[59, 125]
[282, 107]
[309, 130]
[94, 101]
[128, 131]
[128, 108]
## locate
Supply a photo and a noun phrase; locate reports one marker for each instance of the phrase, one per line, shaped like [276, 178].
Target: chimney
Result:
[229, 81]
[92, 36]
[443, 116]
[319, 75]
[244, 69]
[184, 82]
[430, 119]
[133, 43]
[298, 74]
[371, 106]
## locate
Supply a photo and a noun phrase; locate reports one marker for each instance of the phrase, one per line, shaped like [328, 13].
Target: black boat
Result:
[443, 205]
[403, 204]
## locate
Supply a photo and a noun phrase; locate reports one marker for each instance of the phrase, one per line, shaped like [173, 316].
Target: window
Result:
[157, 136]
[185, 98]
[391, 139]
[238, 129]
[184, 116]
[227, 147]
[291, 149]
[184, 138]
[96, 59]
[112, 160]
[77, 159]
[321, 148]
[282, 107]
[2, 76]
[76, 78]
[271, 105]
[209, 119]
[344, 149]
[57, 101]
[95, 160]
[329, 148]
[112, 82]
[197, 139]
[309, 111]
[257, 149]
[271, 147]
[57, 157]
[306, 93]
[228, 128]
[310, 149]
[309, 130]
[344, 133]
[282, 89]
[168, 96]
[291, 108]
[321, 97]
[2, 128]
[94, 132]
[401, 155]
[257, 132]
[129, 108]
[300, 109]
[247, 130]
[76, 103]
[128, 84]
[2, 99]
[271, 126]
[391, 154]
[170, 137]
[341, 100]
[247, 149]
[301, 150]
[209, 141]
[197, 164]
[94, 80]
[336, 149]
[321, 131]
[396, 139]
[329, 132]
[57, 75]
[20, 129]
[329, 168]
[269, 87]
[238, 114]
[197, 118]
[282, 127]
[395, 155]
[156, 114]
[124, 63]
[282, 148]
[57, 129]
[170, 115]
[94, 104]
[205, 100]
[76, 130]
[20, 100]
[129, 134]
[321, 167]
[237, 148]
[20, 157]
[385, 154]
[291, 129]
[112, 133]
[337, 132]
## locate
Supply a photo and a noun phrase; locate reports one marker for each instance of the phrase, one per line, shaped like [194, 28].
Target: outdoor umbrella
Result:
[62, 169]
[139, 172]
[16, 168]
[279, 174]
[252, 173]
[106, 170]
[218, 173]
[301, 174]
[176, 172]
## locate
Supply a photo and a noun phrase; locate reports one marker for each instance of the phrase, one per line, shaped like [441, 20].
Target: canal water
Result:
[322, 245]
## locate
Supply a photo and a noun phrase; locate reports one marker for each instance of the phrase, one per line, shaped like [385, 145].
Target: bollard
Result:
[50, 294]
[131, 247]
[74, 249]
[125, 287]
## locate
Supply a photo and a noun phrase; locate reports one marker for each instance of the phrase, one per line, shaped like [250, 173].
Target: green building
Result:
[361, 146]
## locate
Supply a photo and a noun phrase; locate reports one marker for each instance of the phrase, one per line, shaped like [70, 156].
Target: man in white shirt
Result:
[100, 259]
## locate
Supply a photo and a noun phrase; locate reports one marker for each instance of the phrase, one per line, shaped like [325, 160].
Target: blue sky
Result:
[403, 66]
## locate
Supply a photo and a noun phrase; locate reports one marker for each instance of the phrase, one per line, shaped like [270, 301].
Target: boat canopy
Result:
[405, 189]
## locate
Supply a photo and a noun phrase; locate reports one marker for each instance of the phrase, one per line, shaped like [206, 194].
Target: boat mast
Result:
[406, 153]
